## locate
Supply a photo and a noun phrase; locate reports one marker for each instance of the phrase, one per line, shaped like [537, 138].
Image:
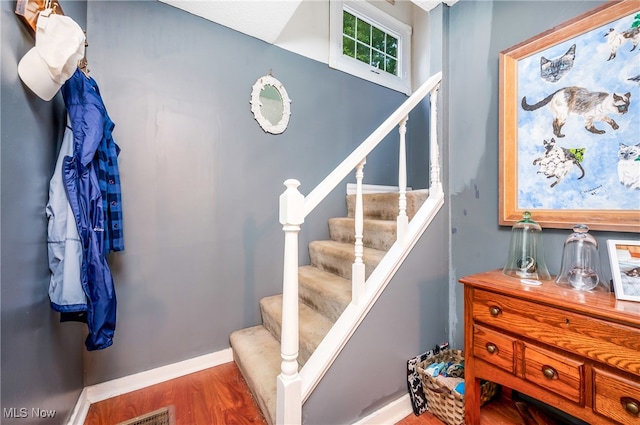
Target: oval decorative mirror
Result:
[270, 104]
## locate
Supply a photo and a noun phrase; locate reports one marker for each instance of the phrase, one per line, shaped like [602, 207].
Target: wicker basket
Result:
[447, 405]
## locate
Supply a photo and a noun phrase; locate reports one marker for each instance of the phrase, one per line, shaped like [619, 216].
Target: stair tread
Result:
[338, 257]
[372, 221]
[385, 204]
[326, 292]
[376, 233]
[347, 249]
[313, 326]
[257, 354]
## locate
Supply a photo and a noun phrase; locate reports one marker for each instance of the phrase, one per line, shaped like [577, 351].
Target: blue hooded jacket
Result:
[93, 141]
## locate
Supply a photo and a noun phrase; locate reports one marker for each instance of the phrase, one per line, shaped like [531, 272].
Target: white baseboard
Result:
[116, 387]
[389, 414]
[79, 413]
[392, 413]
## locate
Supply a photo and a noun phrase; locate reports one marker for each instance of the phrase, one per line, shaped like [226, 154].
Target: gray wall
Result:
[200, 183]
[479, 31]
[201, 180]
[41, 359]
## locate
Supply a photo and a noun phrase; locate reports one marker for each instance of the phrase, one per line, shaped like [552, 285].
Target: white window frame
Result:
[387, 23]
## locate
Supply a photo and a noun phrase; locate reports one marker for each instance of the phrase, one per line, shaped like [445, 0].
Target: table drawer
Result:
[555, 372]
[616, 397]
[494, 347]
[578, 334]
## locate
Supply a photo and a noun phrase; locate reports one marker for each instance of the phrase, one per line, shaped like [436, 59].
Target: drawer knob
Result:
[495, 311]
[491, 348]
[630, 405]
[549, 372]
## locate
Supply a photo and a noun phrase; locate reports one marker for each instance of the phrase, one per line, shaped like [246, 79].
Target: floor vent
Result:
[164, 416]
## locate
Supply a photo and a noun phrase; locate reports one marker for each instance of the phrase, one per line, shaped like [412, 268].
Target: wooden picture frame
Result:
[560, 154]
[624, 257]
[29, 10]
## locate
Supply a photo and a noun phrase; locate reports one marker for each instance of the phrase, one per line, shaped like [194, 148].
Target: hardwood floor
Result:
[500, 411]
[213, 396]
[219, 396]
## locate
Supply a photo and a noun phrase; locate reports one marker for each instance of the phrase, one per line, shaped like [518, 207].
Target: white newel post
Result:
[289, 387]
[435, 186]
[358, 269]
[403, 219]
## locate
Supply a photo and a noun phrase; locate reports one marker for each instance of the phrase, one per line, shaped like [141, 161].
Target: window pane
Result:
[392, 66]
[348, 24]
[378, 39]
[377, 59]
[392, 46]
[348, 47]
[363, 53]
[364, 32]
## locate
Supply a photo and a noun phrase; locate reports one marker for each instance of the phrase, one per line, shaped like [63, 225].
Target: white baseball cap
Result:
[54, 58]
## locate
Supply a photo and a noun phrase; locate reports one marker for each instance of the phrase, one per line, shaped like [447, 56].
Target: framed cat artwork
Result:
[570, 123]
[624, 257]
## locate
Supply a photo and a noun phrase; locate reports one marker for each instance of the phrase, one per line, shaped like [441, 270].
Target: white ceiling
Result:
[262, 19]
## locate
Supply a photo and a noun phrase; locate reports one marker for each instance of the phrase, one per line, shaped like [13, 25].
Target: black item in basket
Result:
[414, 383]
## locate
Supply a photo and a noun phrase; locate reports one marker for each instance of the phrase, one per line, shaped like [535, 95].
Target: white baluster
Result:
[358, 268]
[435, 186]
[289, 388]
[403, 219]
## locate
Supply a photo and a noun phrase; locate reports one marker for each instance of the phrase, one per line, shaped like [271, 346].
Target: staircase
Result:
[322, 304]
[324, 292]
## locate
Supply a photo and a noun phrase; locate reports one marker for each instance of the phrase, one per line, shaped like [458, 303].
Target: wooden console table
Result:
[577, 351]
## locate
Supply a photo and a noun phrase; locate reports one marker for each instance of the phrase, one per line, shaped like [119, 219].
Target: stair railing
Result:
[294, 207]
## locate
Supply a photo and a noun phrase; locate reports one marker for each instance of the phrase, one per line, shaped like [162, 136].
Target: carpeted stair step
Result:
[384, 206]
[325, 292]
[337, 257]
[378, 234]
[257, 354]
[313, 326]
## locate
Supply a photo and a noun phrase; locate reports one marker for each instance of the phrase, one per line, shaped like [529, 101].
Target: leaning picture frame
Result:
[624, 256]
[569, 120]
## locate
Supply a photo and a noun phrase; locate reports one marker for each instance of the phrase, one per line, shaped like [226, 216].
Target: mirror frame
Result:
[269, 80]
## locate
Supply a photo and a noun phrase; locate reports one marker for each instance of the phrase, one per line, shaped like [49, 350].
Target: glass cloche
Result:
[580, 267]
[526, 252]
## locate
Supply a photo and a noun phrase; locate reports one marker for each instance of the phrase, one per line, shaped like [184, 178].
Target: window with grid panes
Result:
[365, 42]
[370, 44]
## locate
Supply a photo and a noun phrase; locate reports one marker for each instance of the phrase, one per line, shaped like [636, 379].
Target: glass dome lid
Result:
[526, 251]
[580, 267]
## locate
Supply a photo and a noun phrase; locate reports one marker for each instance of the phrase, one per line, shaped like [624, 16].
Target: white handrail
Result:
[336, 176]
[292, 389]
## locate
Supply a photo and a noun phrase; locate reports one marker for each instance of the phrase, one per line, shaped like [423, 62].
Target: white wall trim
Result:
[79, 413]
[380, 19]
[116, 387]
[391, 413]
[372, 188]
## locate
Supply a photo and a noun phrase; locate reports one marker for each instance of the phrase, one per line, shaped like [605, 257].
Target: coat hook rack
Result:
[29, 10]
[83, 63]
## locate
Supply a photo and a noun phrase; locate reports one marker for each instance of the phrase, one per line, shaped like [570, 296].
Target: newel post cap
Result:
[291, 204]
